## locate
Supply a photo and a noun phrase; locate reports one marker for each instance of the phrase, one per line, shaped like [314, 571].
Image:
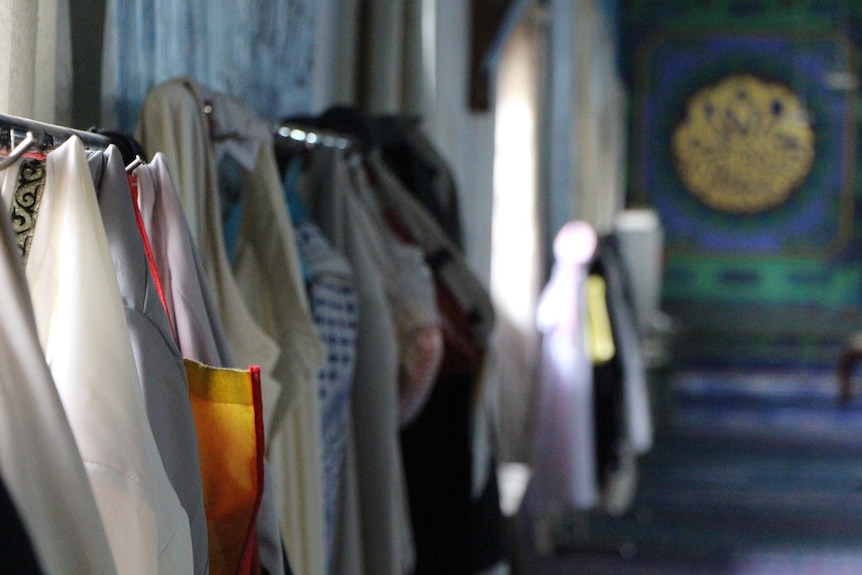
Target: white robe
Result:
[82, 330]
[564, 454]
[39, 459]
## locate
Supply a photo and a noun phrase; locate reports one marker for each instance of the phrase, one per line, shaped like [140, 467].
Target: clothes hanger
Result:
[42, 135]
[28, 142]
[134, 164]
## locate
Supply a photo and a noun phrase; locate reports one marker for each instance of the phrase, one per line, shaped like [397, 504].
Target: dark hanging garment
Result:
[408, 153]
[607, 397]
[638, 428]
[129, 147]
[16, 550]
[413, 159]
[454, 533]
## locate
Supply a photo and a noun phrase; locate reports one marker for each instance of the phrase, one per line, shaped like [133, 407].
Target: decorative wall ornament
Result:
[744, 144]
[730, 197]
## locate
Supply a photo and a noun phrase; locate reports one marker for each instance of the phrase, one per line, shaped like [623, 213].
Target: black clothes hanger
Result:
[129, 147]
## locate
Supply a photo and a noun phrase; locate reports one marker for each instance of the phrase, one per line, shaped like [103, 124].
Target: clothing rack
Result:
[310, 137]
[14, 129]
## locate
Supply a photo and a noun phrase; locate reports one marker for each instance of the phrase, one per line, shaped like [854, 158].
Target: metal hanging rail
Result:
[14, 130]
[312, 137]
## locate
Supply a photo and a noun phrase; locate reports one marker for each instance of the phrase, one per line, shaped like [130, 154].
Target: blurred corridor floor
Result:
[751, 474]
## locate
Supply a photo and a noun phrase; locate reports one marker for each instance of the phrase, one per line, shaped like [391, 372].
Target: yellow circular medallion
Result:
[744, 145]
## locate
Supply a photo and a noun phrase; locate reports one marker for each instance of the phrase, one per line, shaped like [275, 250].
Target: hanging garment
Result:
[448, 451]
[266, 262]
[638, 416]
[266, 285]
[387, 541]
[445, 258]
[411, 156]
[632, 434]
[333, 304]
[40, 462]
[348, 556]
[229, 419]
[173, 122]
[564, 455]
[190, 303]
[159, 363]
[463, 302]
[408, 154]
[607, 379]
[192, 307]
[85, 338]
[16, 550]
[411, 293]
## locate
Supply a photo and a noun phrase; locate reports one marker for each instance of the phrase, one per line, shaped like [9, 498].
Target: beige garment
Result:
[40, 461]
[266, 264]
[83, 332]
[299, 492]
[264, 314]
[173, 122]
[268, 272]
[387, 539]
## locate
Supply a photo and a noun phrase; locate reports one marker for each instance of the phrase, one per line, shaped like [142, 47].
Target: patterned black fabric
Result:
[26, 201]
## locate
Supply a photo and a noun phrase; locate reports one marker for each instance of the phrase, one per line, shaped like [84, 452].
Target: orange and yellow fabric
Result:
[229, 421]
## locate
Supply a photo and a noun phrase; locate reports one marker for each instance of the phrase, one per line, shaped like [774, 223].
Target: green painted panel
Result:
[693, 278]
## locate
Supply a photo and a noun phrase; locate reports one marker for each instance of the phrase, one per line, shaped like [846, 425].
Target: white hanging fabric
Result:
[40, 461]
[83, 332]
[564, 454]
[160, 366]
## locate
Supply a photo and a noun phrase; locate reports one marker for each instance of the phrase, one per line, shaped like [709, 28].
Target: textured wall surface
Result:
[259, 51]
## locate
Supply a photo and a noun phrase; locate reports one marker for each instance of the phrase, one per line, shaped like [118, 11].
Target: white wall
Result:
[465, 138]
